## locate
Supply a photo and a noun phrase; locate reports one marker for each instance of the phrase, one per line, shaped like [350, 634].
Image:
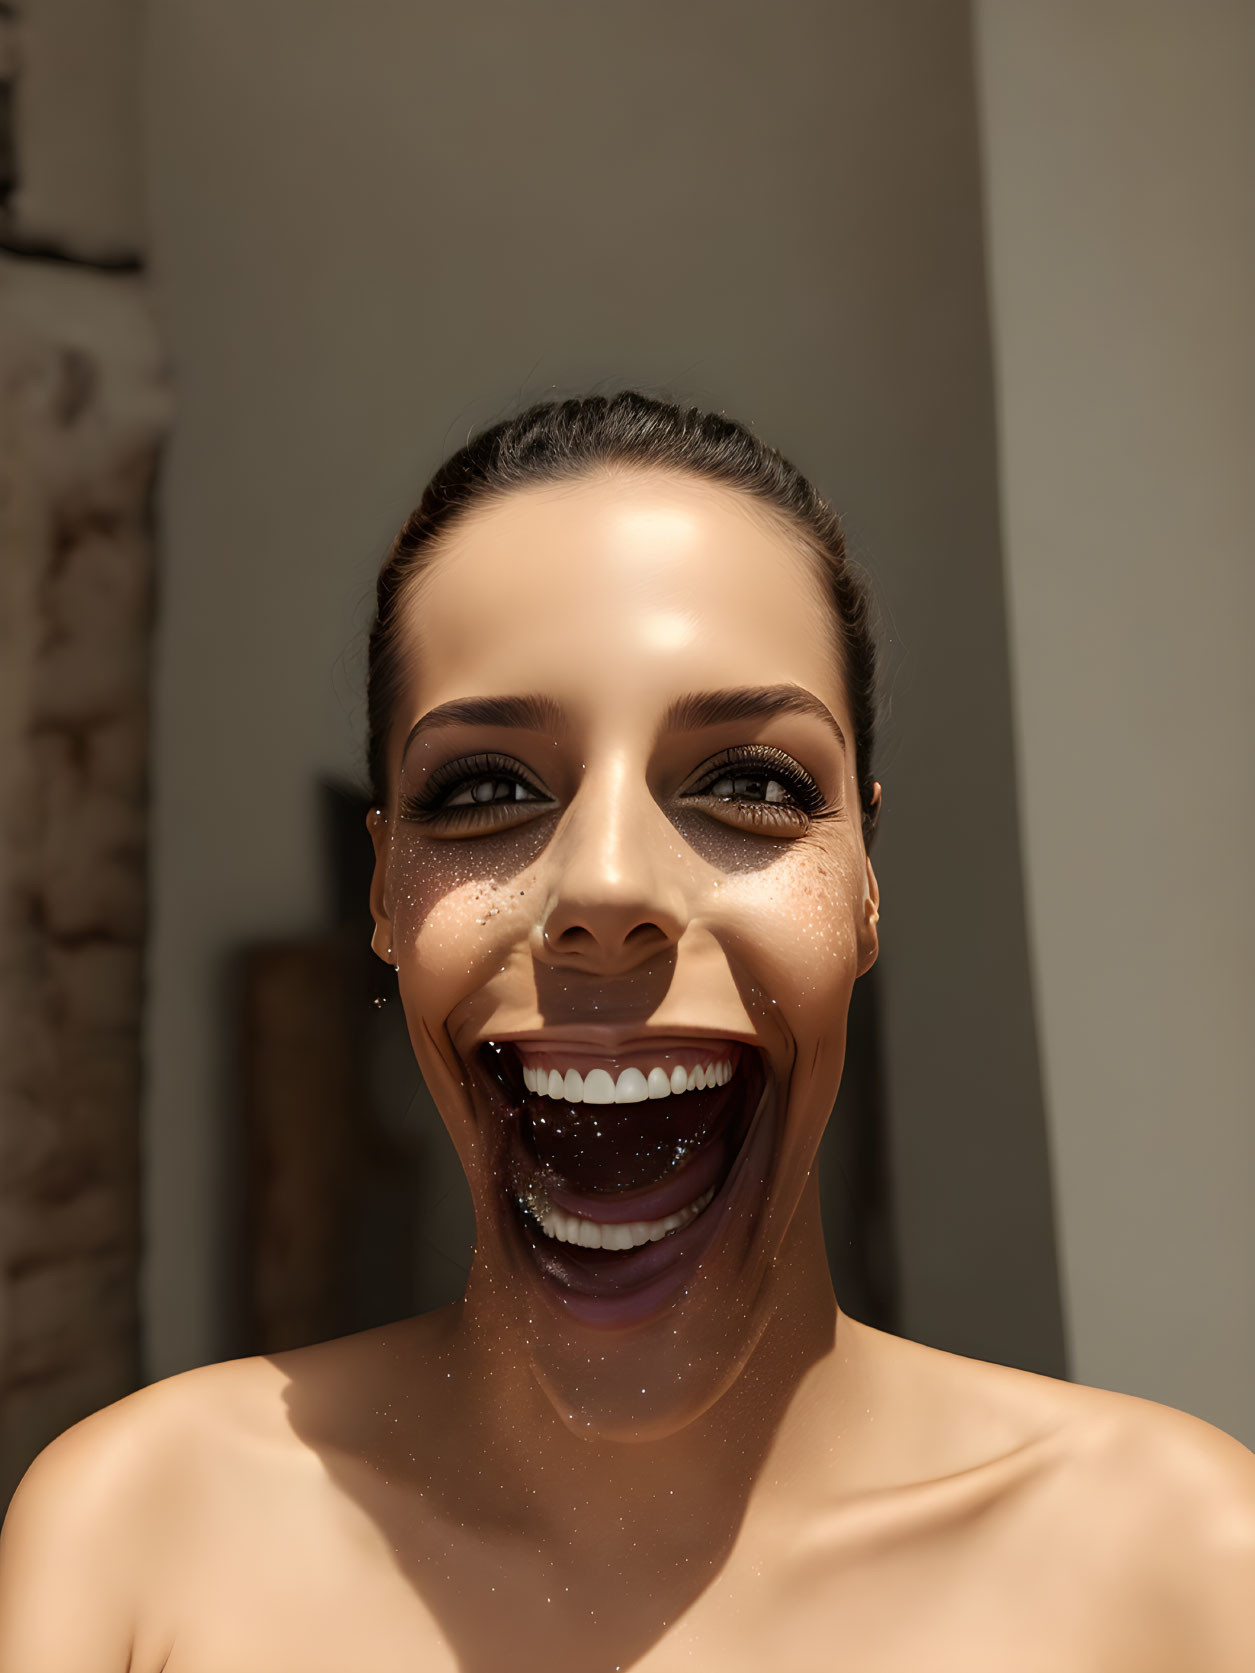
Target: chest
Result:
[319, 1596]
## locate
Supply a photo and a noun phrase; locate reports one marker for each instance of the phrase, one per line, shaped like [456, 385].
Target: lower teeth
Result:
[595, 1234]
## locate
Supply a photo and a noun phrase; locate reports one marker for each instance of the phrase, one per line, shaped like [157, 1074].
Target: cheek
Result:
[799, 920]
[812, 897]
[454, 906]
[797, 907]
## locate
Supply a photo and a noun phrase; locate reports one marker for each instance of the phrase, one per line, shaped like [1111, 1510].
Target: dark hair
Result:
[558, 440]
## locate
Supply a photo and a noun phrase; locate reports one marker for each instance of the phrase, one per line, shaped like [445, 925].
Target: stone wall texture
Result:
[83, 407]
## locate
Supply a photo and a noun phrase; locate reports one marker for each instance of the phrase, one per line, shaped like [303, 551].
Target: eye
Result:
[761, 786]
[749, 787]
[481, 791]
[478, 791]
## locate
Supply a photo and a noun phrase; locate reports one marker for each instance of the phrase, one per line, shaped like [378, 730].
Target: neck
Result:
[691, 1489]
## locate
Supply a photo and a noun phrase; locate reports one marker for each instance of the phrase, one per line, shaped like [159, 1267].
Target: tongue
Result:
[595, 1148]
[679, 1189]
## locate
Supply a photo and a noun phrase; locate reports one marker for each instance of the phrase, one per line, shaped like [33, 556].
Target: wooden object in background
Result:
[301, 1146]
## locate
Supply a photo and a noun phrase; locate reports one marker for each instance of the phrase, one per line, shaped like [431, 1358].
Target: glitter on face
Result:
[620, 900]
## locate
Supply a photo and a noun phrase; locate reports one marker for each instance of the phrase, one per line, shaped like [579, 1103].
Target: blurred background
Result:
[984, 271]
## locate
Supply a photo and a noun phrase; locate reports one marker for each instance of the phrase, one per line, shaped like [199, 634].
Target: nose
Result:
[618, 898]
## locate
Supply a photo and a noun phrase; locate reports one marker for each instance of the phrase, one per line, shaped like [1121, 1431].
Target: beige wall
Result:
[1118, 145]
[376, 225]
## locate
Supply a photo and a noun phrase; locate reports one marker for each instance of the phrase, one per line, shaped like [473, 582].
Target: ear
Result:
[868, 934]
[381, 940]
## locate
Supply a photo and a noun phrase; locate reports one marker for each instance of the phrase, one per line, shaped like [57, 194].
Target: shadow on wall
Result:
[356, 1209]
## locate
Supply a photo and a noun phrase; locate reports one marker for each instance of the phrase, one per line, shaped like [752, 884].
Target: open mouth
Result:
[618, 1169]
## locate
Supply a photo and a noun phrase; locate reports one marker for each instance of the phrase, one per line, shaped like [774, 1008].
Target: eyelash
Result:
[432, 805]
[763, 762]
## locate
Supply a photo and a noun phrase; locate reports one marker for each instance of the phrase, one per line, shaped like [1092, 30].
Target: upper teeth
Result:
[633, 1086]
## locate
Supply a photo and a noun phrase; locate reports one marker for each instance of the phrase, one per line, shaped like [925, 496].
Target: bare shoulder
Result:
[1169, 1459]
[1137, 1518]
[1182, 1495]
[1148, 1511]
[100, 1508]
[1155, 1454]
[155, 1438]
[1171, 1482]
[1157, 1509]
[69, 1530]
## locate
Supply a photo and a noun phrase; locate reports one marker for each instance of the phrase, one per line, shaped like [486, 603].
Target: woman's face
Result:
[623, 881]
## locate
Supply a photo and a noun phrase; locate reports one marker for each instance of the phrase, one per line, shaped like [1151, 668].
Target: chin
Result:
[632, 1397]
[630, 1206]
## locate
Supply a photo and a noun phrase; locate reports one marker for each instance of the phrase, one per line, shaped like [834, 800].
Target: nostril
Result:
[643, 934]
[580, 940]
[569, 939]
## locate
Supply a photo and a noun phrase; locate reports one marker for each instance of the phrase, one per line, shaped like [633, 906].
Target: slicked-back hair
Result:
[557, 441]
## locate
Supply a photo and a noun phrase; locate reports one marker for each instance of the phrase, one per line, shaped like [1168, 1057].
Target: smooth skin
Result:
[751, 1480]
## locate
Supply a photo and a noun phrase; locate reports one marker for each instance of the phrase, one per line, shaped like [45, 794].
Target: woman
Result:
[621, 734]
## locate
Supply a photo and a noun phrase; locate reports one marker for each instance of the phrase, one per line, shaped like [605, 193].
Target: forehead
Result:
[625, 587]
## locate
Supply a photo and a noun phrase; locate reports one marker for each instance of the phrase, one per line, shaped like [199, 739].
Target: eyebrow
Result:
[525, 714]
[697, 710]
[758, 702]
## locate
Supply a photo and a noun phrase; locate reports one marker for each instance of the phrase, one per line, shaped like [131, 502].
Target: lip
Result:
[618, 1289]
[605, 1039]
